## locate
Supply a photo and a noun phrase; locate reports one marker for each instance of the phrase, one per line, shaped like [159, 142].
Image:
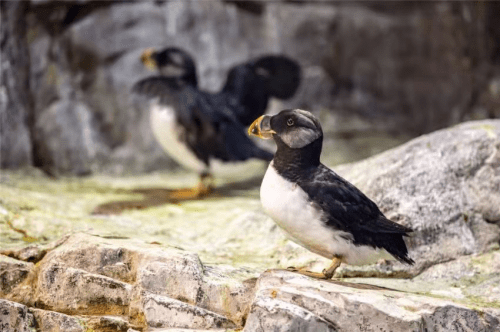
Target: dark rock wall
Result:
[67, 68]
[15, 99]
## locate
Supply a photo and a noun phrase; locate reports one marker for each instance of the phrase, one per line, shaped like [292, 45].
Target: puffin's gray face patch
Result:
[301, 133]
[299, 137]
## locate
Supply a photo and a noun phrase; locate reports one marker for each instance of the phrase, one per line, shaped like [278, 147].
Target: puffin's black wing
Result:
[282, 75]
[220, 134]
[210, 130]
[349, 210]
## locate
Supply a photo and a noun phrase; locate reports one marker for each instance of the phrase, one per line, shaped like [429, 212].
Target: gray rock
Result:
[56, 322]
[12, 273]
[161, 311]
[381, 62]
[335, 306]
[74, 291]
[15, 98]
[15, 317]
[444, 185]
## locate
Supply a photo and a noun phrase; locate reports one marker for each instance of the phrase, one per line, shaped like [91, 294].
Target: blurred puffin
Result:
[249, 85]
[199, 129]
[316, 207]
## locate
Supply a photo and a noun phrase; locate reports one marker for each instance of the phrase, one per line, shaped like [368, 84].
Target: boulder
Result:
[56, 322]
[285, 301]
[444, 185]
[12, 273]
[15, 98]
[202, 264]
[15, 317]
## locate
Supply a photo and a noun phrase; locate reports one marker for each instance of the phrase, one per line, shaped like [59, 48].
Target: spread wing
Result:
[210, 128]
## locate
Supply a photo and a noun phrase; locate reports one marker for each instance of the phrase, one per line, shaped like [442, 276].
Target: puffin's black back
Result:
[250, 85]
[345, 207]
[210, 131]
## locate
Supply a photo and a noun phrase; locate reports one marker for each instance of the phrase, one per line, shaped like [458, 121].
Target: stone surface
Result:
[66, 106]
[444, 185]
[160, 311]
[127, 269]
[285, 301]
[15, 99]
[12, 273]
[15, 317]
[56, 322]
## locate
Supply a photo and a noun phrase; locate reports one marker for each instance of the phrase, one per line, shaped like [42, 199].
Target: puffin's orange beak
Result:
[261, 128]
[147, 59]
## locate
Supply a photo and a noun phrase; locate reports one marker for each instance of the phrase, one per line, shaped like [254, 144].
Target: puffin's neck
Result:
[297, 163]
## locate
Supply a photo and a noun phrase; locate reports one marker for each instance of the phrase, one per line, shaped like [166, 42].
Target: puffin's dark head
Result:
[295, 128]
[171, 62]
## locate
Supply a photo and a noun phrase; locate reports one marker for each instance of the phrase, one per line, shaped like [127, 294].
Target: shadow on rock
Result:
[161, 196]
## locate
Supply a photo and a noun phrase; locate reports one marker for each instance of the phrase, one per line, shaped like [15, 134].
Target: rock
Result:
[15, 98]
[285, 300]
[56, 322]
[15, 317]
[70, 290]
[160, 311]
[444, 185]
[70, 122]
[12, 273]
[407, 68]
[163, 265]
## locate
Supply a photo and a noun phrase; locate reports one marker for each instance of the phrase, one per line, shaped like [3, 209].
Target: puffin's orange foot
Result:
[303, 271]
[204, 188]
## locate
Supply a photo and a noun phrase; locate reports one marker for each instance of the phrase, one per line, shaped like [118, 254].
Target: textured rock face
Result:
[444, 185]
[66, 74]
[287, 302]
[70, 285]
[15, 99]
[134, 275]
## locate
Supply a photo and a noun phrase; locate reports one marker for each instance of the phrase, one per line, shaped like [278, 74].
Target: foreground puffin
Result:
[203, 131]
[317, 208]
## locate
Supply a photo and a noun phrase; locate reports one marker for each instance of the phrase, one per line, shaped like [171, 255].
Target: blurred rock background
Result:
[375, 73]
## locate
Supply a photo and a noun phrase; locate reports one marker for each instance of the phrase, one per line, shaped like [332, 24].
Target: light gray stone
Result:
[357, 307]
[56, 322]
[12, 273]
[444, 185]
[15, 317]
[74, 291]
[161, 311]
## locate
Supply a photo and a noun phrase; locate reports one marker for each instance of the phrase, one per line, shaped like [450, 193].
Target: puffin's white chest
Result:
[168, 133]
[288, 205]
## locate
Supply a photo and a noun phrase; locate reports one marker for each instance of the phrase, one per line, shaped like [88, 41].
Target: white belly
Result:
[288, 205]
[167, 133]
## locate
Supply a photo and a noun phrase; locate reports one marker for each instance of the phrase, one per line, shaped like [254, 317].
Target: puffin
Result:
[249, 86]
[316, 207]
[206, 132]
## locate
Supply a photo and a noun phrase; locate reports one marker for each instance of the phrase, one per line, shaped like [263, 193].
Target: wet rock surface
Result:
[97, 262]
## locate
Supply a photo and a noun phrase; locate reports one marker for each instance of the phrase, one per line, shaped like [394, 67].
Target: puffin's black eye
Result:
[289, 122]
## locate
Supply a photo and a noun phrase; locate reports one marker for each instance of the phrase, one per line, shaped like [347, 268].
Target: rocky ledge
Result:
[217, 264]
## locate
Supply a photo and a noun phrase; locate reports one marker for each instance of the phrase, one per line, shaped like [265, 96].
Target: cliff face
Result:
[67, 68]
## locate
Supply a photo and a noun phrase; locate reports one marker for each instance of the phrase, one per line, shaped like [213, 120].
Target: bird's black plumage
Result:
[248, 86]
[208, 128]
[344, 207]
